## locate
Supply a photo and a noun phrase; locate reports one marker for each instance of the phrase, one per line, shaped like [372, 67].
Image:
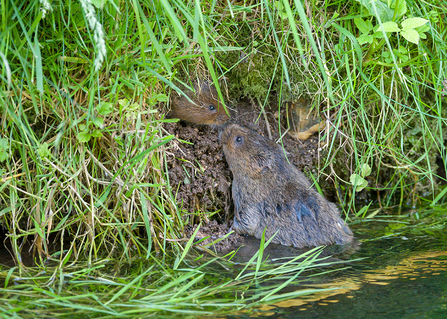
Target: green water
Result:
[402, 276]
[400, 271]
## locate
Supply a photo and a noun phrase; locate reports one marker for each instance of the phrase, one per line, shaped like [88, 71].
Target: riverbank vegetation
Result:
[84, 86]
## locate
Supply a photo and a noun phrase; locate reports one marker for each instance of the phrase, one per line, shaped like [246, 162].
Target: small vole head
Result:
[206, 109]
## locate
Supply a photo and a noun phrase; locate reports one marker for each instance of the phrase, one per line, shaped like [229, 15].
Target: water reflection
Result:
[400, 278]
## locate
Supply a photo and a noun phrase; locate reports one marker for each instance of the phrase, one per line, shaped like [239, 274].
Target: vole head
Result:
[247, 152]
[206, 109]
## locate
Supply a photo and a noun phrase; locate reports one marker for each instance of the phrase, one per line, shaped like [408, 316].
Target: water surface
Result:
[403, 275]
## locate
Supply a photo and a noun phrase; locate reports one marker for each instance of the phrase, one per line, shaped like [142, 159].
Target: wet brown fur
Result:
[269, 192]
[207, 110]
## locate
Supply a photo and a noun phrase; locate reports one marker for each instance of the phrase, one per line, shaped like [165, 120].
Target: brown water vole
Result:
[269, 192]
[207, 109]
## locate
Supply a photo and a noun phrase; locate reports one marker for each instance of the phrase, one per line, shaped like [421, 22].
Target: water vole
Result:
[269, 192]
[207, 109]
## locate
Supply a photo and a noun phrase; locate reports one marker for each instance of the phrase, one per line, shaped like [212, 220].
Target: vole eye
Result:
[211, 107]
[239, 139]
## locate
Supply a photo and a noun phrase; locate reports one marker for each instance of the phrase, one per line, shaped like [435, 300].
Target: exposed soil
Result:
[198, 169]
[201, 177]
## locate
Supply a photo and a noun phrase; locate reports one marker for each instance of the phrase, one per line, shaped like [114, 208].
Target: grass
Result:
[82, 142]
[200, 286]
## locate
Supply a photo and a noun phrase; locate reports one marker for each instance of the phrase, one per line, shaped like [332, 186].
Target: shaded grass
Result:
[199, 286]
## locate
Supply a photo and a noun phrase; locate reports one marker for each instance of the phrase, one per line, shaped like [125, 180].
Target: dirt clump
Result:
[198, 173]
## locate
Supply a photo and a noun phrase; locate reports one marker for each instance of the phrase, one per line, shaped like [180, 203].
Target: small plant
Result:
[92, 127]
[44, 151]
[401, 54]
[411, 29]
[358, 181]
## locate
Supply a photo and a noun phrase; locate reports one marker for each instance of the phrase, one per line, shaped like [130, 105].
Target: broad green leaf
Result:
[43, 150]
[400, 9]
[366, 170]
[281, 10]
[434, 16]
[411, 35]
[385, 13]
[369, 24]
[390, 26]
[98, 121]
[422, 35]
[413, 23]
[84, 137]
[99, 4]
[362, 25]
[403, 49]
[358, 182]
[96, 133]
[378, 35]
[364, 38]
[4, 149]
[423, 28]
[123, 102]
[161, 97]
[105, 108]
